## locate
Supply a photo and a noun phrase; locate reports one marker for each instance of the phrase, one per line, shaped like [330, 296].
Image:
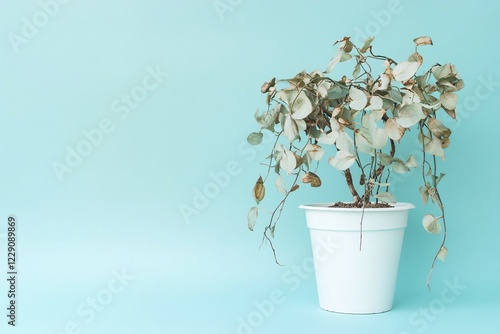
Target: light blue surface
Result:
[171, 87]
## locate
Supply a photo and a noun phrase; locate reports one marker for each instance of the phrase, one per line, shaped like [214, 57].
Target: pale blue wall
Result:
[195, 68]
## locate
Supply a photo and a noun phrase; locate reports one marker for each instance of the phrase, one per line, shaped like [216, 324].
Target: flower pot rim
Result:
[399, 206]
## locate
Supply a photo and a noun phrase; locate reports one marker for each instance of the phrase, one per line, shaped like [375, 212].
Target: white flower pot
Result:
[351, 279]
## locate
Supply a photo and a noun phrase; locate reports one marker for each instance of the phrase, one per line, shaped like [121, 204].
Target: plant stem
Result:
[352, 189]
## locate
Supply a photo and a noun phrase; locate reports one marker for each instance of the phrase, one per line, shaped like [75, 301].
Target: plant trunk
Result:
[356, 199]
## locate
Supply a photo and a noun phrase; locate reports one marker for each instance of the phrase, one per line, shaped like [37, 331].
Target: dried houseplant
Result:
[362, 119]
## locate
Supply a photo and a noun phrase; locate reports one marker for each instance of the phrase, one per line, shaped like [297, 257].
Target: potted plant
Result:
[358, 122]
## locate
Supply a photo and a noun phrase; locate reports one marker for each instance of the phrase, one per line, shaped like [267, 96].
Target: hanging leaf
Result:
[315, 152]
[288, 161]
[312, 179]
[424, 40]
[259, 191]
[344, 142]
[449, 103]
[411, 162]
[437, 179]
[393, 130]
[334, 62]
[405, 70]
[434, 147]
[399, 166]
[290, 128]
[362, 143]
[438, 129]
[376, 103]
[328, 138]
[385, 159]
[280, 185]
[443, 71]
[366, 44]
[431, 224]
[386, 197]
[409, 115]
[266, 119]
[358, 99]
[442, 253]
[416, 57]
[424, 192]
[297, 101]
[384, 83]
[255, 138]
[342, 160]
[380, 138]
[253, 213]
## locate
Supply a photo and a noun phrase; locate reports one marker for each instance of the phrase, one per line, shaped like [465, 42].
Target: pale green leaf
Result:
[385, 159]
[380, 138]
[437, 179]
[253, 213]
[405, 70]
[431, 224]
[395, 95]
[449, 100]
[342, 160]
[358, 99]
[393, 130]
[255, 138]
[280, 185]
[290, 128]
[366, 44]
[344, 142]
[328, 138]
[411, 162]
[315, 152]
[424, 192]
[443, 71]
[434, 147]
[410, 115]
[266, 119]
[442, 253]
[337, 92]
[297, 102]
[386, 197]
[384, 82]
[362, 144]
[376, 103]
[334, 62]
[288, 161]
[399, 166]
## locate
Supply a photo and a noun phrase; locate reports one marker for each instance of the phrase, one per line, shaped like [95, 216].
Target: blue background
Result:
[118, 212]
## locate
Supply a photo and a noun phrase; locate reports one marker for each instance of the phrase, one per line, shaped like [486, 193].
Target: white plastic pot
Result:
[356, 268]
